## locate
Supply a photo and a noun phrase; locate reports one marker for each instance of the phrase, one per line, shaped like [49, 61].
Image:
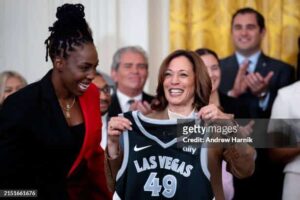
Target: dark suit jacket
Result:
[115, 107]
[230, 105]
[266, 172]
[283, 75]
[34, 137]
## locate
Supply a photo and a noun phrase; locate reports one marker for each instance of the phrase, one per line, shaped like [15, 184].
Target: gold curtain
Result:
[206, 23]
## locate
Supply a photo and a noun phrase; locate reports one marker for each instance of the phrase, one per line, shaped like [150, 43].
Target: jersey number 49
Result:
[169, 184]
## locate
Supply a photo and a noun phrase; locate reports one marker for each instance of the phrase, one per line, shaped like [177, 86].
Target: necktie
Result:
[130, 101]
[247, 62]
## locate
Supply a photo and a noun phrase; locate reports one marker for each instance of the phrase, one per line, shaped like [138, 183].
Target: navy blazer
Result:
[283, 75]
[115, 108]
[266, 171]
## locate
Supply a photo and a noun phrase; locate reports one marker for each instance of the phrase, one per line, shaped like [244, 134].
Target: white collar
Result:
[253, 60]
[123, 100]
[104, 117]
[103, 142]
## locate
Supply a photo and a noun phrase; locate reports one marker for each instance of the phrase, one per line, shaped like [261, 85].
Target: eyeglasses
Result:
[108, 90]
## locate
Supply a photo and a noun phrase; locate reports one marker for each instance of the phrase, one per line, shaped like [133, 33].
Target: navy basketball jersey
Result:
[154, 167]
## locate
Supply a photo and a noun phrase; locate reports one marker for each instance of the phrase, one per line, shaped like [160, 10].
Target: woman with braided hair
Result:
[50, 130]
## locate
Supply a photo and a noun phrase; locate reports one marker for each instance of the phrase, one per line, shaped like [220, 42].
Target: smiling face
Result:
[246, 33]
[179, 83]
[131, 74]
[213, 69]
[78, 70]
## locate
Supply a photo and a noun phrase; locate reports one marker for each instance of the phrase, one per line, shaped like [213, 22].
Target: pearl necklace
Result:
[68, 108]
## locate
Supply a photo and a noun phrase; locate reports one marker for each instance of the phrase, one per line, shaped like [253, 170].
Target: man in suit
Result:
[129, 70]
[105, 92]
[254, 78]
[250, 75]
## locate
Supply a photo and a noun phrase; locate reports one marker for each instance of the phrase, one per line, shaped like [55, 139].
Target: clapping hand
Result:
[142, 106]
[257, 83]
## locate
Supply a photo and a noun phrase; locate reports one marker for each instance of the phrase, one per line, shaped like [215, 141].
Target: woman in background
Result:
[211, 61]
[225, 103]
[10, 82]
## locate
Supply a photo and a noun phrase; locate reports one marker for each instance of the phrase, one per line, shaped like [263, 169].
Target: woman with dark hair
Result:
[50, 130]
[228, 104]
[148, 163]
[225, 103]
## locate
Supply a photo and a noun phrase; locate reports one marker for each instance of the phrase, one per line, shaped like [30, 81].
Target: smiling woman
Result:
[50, 131]
[150, 162]
[182, 76]
[183, 88]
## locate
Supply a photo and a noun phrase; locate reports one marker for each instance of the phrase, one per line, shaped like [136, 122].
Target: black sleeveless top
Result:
[154, 167]
[76, 141]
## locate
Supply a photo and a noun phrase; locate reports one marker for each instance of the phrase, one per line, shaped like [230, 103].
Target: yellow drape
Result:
[206, 23]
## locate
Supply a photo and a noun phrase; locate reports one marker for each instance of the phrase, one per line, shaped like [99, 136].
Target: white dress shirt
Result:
[253, 59]
[103, 142]
[123, 100]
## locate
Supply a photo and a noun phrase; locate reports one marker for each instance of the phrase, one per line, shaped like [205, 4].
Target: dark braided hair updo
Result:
[70, 29]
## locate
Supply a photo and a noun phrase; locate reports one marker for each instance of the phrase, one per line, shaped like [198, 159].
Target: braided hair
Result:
[70, 29]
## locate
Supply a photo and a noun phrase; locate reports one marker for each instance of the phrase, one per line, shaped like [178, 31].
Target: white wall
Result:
[115, 23]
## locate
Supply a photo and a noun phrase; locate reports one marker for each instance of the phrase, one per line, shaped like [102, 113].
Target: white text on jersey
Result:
[163, 162]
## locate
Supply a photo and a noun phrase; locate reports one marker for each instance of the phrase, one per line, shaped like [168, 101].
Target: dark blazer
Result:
[266, 172]
[230, 105]
[283, 75]
[34, 139]
[115, 107]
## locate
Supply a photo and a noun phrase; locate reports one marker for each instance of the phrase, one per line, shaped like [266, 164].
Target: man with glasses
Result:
[105, 92]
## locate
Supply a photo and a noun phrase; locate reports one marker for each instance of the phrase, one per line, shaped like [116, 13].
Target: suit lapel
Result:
[262, 66]
[229, 73]
[146, 97]
[234, 65]
[115, 107]
[52, 111]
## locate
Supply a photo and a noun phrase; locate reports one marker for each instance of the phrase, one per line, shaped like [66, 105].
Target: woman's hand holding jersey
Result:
[116, 126]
